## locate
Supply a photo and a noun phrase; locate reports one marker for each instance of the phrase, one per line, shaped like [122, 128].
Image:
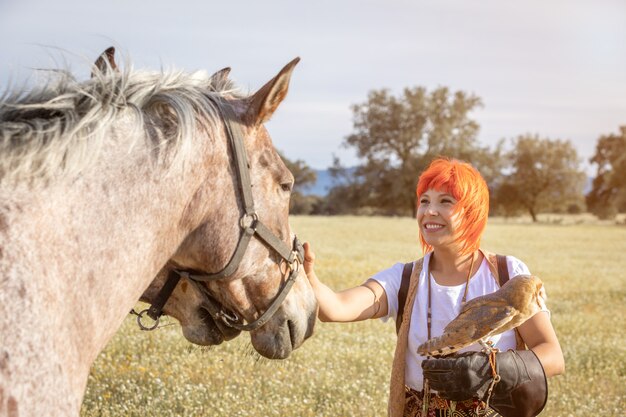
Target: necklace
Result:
[463, 300]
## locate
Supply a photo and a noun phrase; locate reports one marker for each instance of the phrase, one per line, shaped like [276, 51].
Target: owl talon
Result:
[487, 346]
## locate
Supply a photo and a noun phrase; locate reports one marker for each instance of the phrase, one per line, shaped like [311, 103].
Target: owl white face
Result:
[438, 222]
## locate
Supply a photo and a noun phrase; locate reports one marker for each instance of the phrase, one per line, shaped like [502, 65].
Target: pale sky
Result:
[556, 68]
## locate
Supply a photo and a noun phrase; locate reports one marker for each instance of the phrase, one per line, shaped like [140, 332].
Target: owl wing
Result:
[478, 319]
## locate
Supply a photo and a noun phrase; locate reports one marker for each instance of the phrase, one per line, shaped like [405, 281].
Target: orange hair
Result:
[468, 187]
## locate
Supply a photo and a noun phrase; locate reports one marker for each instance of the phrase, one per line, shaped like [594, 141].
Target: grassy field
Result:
[343, 369]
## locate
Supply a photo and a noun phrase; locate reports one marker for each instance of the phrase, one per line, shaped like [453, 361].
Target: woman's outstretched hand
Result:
[309, 259]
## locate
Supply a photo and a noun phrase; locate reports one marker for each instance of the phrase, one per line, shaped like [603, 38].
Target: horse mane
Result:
[60, 126]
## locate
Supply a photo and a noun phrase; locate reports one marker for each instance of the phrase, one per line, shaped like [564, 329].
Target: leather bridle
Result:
[250, 226]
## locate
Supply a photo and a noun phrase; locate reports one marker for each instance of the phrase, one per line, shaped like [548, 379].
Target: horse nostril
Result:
[292, 333]
[311, 325]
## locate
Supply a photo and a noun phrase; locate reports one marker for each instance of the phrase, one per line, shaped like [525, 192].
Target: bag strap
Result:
[402, 293]
[503, 277]
[503, 269]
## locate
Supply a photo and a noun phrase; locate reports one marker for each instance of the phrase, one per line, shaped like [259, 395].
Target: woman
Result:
[453, 204]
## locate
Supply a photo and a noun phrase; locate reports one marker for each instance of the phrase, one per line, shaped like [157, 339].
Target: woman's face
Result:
[437, 220]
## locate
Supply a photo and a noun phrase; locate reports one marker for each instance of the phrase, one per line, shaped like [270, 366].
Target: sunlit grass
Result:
[343, 370]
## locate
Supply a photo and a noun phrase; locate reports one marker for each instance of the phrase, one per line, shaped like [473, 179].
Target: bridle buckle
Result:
[248, 220]
[294, 265]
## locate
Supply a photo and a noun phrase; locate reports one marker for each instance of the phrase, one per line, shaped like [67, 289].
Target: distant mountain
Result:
[324, 183]
[322, 186]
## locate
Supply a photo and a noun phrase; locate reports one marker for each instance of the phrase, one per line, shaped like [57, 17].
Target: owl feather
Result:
[519, 299]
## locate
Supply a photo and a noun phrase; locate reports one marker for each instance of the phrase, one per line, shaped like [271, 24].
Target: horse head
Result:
[217, 212]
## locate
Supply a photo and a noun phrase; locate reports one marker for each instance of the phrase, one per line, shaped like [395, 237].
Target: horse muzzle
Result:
[291, 325]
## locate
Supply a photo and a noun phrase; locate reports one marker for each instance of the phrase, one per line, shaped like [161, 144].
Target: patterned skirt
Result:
[438, 407]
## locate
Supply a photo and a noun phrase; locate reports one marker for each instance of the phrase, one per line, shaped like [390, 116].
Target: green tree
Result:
[347, 194]
[397, 137]
[544, 176]
[608, 193]
[304, 177]
[506, 201]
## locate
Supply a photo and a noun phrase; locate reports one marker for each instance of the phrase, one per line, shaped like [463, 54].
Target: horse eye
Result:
[286, 186]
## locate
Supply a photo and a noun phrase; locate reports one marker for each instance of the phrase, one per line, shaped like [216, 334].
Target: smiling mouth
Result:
[433, 226]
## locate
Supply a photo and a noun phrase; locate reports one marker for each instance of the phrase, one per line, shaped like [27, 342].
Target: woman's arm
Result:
[539, 336]
[366, 301]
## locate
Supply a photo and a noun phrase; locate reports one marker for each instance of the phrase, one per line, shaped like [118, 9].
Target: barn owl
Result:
[519, 299]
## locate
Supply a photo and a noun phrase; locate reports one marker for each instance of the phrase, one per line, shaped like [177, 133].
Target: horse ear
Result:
[264, 102]
[221, 74]
[218, 80]
[105, 63]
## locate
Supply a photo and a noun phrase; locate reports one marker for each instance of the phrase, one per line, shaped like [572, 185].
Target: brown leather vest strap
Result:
[402, 292]
[396, 383]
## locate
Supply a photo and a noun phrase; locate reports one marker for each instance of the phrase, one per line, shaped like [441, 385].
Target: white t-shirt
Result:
[446, 305]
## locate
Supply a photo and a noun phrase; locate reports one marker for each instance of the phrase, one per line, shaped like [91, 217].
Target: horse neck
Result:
[76, 259]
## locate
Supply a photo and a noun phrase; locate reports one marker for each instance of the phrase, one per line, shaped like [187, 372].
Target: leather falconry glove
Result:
[521, 392]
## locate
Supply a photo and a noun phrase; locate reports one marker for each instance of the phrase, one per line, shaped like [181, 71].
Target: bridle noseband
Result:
[250, 226]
